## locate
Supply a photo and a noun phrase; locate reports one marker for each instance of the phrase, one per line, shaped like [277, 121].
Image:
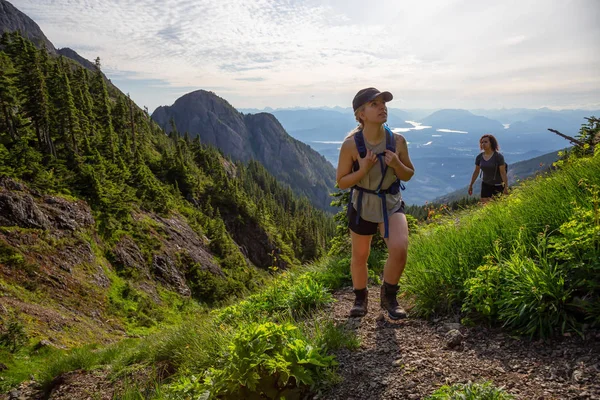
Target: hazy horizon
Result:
[436, 54]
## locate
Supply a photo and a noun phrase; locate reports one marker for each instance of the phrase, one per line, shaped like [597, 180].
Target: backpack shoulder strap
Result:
[390, 140]
[359, 140]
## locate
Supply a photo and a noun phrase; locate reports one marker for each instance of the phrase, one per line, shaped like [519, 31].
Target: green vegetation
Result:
[270, 360]
[528, 261]
[21, 364]
[85, 139]
[275, 342]
[470, 391]
[12, 334]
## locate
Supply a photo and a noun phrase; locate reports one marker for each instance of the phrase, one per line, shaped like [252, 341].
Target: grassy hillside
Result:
[529, 261]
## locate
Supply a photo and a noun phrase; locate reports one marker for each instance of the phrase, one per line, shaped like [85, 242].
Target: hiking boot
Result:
[359, 309]
[389, 302]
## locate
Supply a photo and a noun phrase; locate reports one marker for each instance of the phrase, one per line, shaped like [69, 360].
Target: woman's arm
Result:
[345, 177]
[504, 177]
[473, 178]
[400, 161]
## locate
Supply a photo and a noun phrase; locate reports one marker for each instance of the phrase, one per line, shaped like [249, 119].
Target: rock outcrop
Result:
[56, 270]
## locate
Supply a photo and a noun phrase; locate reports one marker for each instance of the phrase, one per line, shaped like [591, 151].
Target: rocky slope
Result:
[64, 282]
[254, 136]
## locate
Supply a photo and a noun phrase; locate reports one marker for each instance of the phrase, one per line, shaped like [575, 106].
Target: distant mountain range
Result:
[252, 136]
[243, 137]
[444, 143]
[462, 120]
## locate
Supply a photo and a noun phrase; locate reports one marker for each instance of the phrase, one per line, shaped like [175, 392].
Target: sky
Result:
[291, 53]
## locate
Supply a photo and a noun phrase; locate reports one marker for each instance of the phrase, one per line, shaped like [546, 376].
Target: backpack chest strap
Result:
[390, 144]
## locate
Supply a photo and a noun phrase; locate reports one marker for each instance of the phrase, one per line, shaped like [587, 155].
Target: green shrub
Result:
[335, 274]
[483, 290]
[331, 337]
[263, 361]
[288, 296]
[10, 256]
[470, 391]
[413, 224]
[306, 294]
[445, 256]
[534, 297]
[537, 289]
[12, 334]
[577, 246]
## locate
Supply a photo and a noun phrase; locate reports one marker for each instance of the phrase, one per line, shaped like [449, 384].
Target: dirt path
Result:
[409, 359]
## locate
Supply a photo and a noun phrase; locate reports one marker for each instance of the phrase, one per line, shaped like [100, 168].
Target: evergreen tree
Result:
[34, 95]
[132, 114]
[64, 113]
[84, 105]
[8, 97]
[102, 114]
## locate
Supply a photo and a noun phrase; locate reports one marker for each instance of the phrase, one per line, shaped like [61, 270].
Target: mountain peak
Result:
[251, 137]
[453, 112]
[12, 20]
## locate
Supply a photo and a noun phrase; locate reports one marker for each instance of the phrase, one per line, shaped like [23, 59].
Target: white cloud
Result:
[436, 53]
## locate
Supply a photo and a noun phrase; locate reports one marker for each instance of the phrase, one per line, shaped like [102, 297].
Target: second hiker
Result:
[373, 161]
[494, 179]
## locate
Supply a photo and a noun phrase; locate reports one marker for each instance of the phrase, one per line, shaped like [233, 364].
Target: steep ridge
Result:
[54, 271]
[251, 137]
[12, 20]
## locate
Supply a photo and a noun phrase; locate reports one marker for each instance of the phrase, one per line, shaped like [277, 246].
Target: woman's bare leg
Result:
[361, 247]
[397, 244]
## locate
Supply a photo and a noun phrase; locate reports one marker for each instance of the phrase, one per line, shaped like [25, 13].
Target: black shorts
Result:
[364, 227]
[488, 190]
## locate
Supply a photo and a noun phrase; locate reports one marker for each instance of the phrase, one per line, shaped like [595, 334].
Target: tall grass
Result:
[442, 258]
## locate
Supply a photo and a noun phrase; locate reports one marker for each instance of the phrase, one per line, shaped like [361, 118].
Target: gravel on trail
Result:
[411, 358]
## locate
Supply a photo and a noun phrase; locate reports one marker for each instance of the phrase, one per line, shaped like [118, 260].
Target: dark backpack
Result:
[390, 144]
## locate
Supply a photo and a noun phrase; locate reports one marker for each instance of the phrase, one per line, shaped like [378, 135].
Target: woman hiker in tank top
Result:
[492, 164]
[366, 213]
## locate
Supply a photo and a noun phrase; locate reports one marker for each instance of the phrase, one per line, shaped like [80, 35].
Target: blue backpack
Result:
[390, 144]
